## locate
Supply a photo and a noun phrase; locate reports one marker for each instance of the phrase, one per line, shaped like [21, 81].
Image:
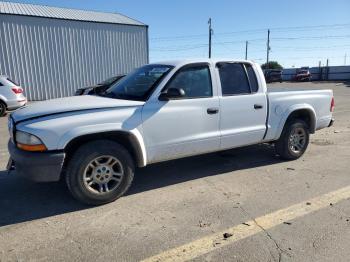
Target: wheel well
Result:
[126, 139]
[306, 116]
[3, 102]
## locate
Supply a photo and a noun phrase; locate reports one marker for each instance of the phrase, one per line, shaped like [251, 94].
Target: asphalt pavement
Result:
[241, 205]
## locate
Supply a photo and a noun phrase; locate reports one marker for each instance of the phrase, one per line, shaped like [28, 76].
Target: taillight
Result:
[17, 90]
[332, 105]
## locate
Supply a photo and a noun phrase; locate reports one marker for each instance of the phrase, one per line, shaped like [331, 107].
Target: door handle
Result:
[213, 110]
[256, 106]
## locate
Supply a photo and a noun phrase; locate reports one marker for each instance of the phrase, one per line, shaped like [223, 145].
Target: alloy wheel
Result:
[103, 174]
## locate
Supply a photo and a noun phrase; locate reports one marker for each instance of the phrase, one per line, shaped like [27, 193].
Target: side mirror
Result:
[171, 93]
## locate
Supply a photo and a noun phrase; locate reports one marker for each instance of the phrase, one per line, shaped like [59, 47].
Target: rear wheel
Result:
[294, 140]
[99, 172]
[2, 109]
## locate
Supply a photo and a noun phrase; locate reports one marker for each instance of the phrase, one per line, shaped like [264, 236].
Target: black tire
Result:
[79, 162]
[284, 147]
[2, 109]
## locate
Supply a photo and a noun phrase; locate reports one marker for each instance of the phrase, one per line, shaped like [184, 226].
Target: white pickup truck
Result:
[156, 113]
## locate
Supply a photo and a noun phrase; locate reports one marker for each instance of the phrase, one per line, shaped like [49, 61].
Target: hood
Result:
[69, 104]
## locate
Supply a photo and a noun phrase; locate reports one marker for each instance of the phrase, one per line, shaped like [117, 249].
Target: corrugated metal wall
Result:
[323, 73]
[50, 58]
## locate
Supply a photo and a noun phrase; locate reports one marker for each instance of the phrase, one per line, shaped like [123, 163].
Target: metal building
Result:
[52, 51]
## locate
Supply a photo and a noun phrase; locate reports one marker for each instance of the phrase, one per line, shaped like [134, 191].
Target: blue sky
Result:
[302, 32]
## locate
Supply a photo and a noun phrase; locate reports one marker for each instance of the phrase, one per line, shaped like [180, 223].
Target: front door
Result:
[185, 126]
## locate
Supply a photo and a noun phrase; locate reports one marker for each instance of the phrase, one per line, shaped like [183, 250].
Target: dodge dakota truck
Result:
[156, 113]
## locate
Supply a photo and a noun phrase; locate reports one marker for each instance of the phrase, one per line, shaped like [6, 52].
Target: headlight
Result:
[29, 142]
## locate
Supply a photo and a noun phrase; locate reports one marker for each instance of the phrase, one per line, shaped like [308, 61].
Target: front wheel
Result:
[294, 140]
[99, 172]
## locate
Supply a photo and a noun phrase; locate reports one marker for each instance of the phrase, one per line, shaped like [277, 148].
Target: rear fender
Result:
[3, 99]
[293, 109]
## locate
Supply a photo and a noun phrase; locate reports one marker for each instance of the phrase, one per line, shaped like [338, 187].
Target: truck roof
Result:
[200, 60]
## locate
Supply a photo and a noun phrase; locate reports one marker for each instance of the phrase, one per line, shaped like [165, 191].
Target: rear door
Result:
[243, 106]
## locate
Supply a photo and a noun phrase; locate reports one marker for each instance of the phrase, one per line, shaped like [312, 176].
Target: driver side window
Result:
[194, 80]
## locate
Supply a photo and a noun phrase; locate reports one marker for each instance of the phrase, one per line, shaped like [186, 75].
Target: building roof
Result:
[65, 13]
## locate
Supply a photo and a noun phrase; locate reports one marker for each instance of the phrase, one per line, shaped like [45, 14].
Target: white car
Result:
[160, 112]
[11, 95]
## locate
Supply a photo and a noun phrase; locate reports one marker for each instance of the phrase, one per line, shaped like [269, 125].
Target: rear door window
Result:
[233, 78]
[252, 78]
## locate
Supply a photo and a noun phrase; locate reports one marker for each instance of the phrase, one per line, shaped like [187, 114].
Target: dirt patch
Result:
[322, 142]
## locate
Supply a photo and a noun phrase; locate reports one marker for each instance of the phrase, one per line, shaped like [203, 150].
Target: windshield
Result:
[12, 82]
[110, 81]
[139, 84]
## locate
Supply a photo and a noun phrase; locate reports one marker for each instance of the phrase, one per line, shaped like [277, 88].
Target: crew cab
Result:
[160, 112]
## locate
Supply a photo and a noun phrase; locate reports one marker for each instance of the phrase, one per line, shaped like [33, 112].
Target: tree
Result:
[272, 65]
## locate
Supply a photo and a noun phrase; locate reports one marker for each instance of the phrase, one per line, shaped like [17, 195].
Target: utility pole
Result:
[319, 70]
[268, 49]
[246, 50]
[345, 59]
[210, 34]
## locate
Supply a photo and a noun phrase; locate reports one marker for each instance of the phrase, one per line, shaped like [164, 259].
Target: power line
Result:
[315, 57]
[179, 48]
[232, 46]
[312, 47]
[277, 29]
[280, 39]
[311, 37]
[221, 43]
[308, 28]
[289, 38]
[189, 47]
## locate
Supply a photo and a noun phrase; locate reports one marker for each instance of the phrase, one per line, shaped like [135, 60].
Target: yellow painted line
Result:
[215, 241]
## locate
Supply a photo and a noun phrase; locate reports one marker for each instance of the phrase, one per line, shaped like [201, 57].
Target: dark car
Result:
[302, 75]
[99, 88]
[273, 76]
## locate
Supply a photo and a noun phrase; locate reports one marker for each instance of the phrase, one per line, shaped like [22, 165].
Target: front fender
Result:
[103, 128]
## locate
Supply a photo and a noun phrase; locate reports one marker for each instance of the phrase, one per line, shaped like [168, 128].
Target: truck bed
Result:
[272, 89]
[283, 101]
